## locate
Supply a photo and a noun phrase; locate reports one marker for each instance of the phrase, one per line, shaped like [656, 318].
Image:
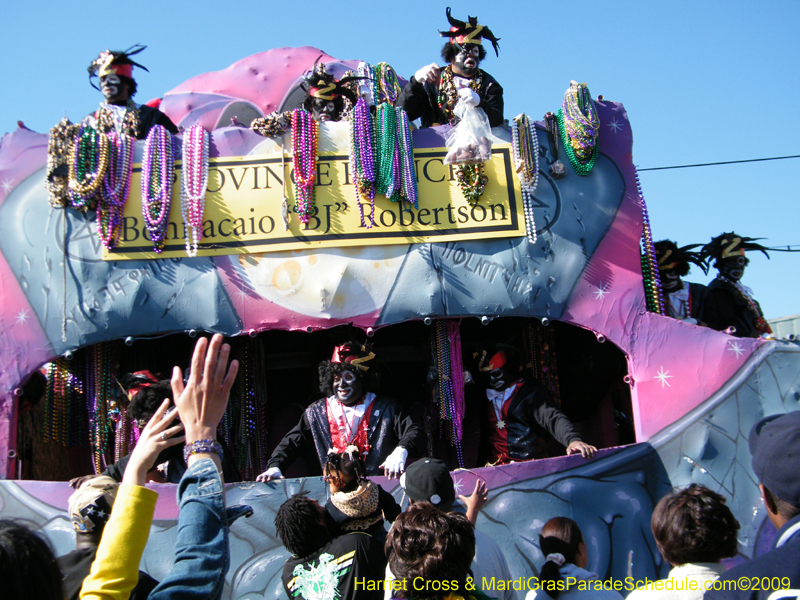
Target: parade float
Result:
[553, 253]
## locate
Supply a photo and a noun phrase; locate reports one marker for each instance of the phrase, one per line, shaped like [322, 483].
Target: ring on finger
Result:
[163, 436]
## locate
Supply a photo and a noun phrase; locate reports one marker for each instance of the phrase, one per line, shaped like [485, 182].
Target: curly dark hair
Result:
[145, 402]
[437, 546]
[694, 525]
[449, 52]
[560, 535]
[28, 568]
[131, 85]
[298, 525]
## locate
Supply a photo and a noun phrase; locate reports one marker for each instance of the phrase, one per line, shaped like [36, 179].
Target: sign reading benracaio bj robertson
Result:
[244, 201]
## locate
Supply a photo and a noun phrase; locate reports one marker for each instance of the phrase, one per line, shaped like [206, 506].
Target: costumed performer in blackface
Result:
[734, 304]
[325, 100]
[351, 415]
[118, 111]
[686, 301]
[432, 93]
[522, 413]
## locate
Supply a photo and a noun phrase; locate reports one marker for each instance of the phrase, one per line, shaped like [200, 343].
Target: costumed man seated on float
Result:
[351, 415]
[118, 111]
[433, 92]
[325, 100]
[686, 301]
[734, 304]
[522, 413]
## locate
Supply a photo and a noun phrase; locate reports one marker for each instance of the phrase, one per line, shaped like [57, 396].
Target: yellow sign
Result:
[243, 209]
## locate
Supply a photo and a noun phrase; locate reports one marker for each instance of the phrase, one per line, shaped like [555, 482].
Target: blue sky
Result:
[701, 81]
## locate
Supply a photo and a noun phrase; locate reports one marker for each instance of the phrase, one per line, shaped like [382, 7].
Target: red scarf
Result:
[340, 430]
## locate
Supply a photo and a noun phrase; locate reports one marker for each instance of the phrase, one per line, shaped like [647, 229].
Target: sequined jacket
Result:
[532, 414]
[420, 100]
[389, 427]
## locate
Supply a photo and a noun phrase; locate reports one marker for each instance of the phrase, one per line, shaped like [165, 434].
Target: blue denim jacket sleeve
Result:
[202, 550]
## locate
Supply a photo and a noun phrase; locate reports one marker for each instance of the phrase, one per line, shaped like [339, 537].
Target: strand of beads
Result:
[157, 172]
[652, 279]
[408, 172]
[87, 167]
[450, 382]
[59, 152]
[457, 384]
[304, 156]
[194, 181]
[362, 159]
[525, 146]
[388, 84]
[368, 78]
[116, 187]
[472, 181]
[580, 126]
[386, 182]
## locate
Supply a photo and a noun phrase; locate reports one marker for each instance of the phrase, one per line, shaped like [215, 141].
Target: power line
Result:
[727, 162]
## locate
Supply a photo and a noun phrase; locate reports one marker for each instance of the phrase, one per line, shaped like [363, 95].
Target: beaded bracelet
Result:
[202, 447]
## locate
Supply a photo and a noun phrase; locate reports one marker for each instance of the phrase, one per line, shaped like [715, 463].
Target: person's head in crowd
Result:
[561, 542]
[775, 448]
[115, 70]
[28, 568]
[303, 525]
[347, 375]
[673, 263]
[694, 525]
[428, 480]
[464, 49]
[344, 470]
[500, 365]
[326, 95]
[728, 251]
[434, 545]
[145, 402]
[90, 508]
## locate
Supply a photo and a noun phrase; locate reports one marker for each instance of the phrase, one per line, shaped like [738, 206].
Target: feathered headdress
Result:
[115, 62]
[672, 258]
[318, 83]
[469, 32]
[728, 245]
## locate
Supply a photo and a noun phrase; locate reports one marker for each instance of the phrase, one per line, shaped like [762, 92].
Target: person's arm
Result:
[492, 102]
[287, 451]
[202, 550]
[475, 501]
[411, 440]
[556, 423]
[115, 569]
[386, 502]
[414, 100]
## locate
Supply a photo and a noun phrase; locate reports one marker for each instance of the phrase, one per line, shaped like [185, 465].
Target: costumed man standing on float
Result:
[350, 415]
[433, 92]
[734, 305]
[522, 413]
[119, 112]
[689, 302]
